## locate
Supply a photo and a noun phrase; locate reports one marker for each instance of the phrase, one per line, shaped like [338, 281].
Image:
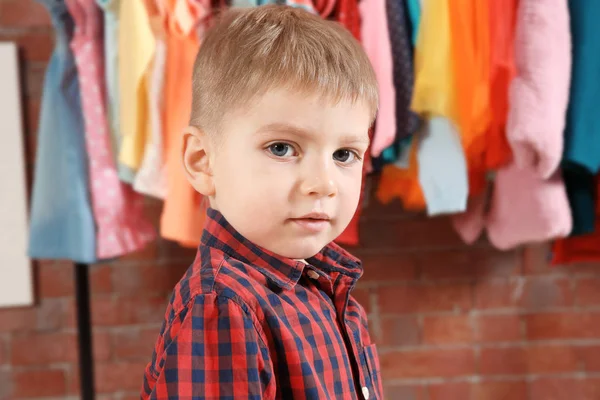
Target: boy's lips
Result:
[313, 222]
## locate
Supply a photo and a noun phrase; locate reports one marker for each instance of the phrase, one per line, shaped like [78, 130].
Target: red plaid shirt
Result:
[245, 323]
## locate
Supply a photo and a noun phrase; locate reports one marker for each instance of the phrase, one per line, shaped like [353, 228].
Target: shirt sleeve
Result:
[215, 352]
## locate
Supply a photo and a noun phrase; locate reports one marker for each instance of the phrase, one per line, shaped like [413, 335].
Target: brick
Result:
[34, 45]
[447, 329]
[406, 392]
[387, 267]
[55, 279]
[527, 360]
[101, 279]
[588, 291]
[50, 315]
[120, 310]
[119, 376]
[102, 345]
[17, 319]
[536, 260]
[533, 293]
[134, 344]
[363, 296]
[3, 351]
[555, 388]
[39, 383]
[41, 349]
[23, 14]
[31, 113]
[449, 391]
[6, 385]
[589, 356]
[428, 363]
[129, 396]
[498, 328]
[503, 360]
[467, 264]
[173, 252]
[141, 310]
[138, 279]
[500, 390]
[546, 326]
[425, 298]
[410, 234]
[547, 292]
[400, 331]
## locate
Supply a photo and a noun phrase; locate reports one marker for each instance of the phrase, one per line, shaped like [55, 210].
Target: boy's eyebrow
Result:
[296, 130]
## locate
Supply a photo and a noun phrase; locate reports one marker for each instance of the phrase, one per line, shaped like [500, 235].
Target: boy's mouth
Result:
[313, 222]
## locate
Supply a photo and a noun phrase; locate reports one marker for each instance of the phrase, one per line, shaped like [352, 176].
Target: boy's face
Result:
[287, 171]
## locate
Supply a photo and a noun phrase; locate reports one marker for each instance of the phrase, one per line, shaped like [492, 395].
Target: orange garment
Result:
[584, 248]
[502, 70]
[470, 41]
[182, 219]
[402, 184]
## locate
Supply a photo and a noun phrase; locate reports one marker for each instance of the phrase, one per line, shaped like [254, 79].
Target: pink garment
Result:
[118, 211]
[539, 93]
[529, 201]
[527, 208]
[375, 39]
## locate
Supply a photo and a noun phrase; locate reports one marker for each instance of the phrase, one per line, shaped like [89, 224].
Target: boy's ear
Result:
[196, 160]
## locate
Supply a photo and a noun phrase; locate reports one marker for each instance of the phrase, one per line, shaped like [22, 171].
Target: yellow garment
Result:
[136, 50]
[434, 79]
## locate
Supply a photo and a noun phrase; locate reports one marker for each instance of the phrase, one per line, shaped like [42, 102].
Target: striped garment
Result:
[245, 323]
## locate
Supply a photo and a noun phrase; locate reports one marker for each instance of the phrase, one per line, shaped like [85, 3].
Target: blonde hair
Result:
[253, 50]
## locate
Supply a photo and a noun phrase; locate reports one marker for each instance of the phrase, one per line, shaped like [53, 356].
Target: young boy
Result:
[282, 104]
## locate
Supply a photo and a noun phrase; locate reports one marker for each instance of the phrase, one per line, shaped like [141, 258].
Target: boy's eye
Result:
[281, 150]
[345, 156]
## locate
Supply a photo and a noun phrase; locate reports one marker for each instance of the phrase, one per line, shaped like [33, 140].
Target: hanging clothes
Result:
[61, 219]
[375, 38]
[151, 178]
[442, 168]
[434, 98]
[581, 159]
[407, 122]
[119, 212]
[502, 17]
[111, 57]
[136, 50]
[400, 183]
[183, 214]
[470, 31]
[526, 205]
[413, 7]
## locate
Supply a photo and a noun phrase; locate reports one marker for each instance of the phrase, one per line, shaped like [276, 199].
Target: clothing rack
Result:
[86, 361]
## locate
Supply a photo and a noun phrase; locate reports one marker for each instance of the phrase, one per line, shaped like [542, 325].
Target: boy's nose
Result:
[319, 182]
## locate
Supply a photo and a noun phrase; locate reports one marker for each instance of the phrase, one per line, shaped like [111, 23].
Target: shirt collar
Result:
[284, 272]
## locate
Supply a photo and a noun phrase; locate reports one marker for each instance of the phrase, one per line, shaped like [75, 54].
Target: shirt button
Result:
[312, 274]
[365, 391]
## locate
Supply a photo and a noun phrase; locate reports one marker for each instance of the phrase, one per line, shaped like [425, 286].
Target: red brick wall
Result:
[452, 322]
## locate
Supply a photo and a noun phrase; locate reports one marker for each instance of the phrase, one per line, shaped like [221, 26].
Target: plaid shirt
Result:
[245, 323]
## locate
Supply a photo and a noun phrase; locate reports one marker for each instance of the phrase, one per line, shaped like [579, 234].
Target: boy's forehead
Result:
[286, 111]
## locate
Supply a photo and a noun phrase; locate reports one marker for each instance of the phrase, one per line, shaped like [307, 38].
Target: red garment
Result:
[245, 323]
[584, 248]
